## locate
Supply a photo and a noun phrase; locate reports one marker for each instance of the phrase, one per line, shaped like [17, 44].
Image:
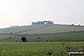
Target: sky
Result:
[23, 12]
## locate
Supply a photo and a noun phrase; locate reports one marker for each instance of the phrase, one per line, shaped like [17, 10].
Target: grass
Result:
[41, 29]
[56, 29]
[44, 38]
[37, 48]
[21, 29]
[6, 38]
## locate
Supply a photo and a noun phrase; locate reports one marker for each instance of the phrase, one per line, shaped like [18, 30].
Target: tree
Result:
[38, 37]
[23, 39]
[72, 24]
[79, 25]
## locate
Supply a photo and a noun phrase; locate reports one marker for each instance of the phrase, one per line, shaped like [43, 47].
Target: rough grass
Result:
[38, 48]
[42, 29]
[56, 29]
[44, 38]
[6, 38]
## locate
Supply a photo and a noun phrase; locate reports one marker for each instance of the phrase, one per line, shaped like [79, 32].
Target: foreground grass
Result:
[37, 48]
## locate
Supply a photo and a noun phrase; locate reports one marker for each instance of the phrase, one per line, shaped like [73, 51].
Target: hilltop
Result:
[66, 33]
[51, 28]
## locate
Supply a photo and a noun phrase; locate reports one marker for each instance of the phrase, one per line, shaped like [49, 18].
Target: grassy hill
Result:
[37, 29]
[45, 38]
[21, 29]
[42, 29]
[43, 44]
[55, 29]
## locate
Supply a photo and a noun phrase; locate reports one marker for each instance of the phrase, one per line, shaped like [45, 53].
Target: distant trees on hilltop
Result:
[42, 22]
[76, 25]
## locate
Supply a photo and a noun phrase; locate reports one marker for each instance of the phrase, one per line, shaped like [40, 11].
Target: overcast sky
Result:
[23, 12]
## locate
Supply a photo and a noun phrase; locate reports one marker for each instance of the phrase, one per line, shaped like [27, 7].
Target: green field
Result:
[43, 44]
[38, 48]
[44, 38]
[37, 29]
[56, 29]
[42, 29]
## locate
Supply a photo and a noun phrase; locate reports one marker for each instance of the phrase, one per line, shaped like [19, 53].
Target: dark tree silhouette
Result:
[23, 39]
[72, 24]
[79, 25]
[38, 37]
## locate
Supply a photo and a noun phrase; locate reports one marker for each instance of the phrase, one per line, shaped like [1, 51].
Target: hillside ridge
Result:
[52, 28]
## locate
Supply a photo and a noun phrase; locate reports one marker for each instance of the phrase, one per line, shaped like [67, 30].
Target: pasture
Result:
[56, 29]
[38, 48]
[45, 38]
[41, 45]
[41, 29]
